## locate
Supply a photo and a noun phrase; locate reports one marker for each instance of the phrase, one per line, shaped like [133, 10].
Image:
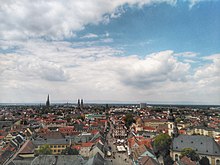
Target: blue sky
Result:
[180, 28]
[163, 51]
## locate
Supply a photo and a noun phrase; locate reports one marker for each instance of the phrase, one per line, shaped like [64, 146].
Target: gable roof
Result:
[146, 160]
[99, 146]
[29, 148]
[201, 144]
[185, 161]
[97, 159]
[58, 159]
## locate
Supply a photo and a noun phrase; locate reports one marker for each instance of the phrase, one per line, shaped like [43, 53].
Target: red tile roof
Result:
[88, 144]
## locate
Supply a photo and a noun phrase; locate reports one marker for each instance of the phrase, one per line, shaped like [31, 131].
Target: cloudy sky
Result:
[155, 51]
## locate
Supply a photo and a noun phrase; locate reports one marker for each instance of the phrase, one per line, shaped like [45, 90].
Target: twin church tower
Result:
[79, 104]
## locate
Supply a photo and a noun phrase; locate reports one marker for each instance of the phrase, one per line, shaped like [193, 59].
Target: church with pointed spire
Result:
[172, 125]
[48, 101]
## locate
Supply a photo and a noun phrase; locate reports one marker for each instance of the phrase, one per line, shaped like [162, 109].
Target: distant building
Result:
[81, 104]
[143, 105]
[48, 101]
[78, 103]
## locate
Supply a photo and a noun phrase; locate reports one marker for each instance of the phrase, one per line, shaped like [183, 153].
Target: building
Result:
[143, 105]
[48, 101]
[203, 145]
[58, 159]
[56, 145]
[172, 125]
[120, 131]
[97, 148]
[85, 149]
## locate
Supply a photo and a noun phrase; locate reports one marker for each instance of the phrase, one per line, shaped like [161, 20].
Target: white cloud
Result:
[90, 35]
[194, 2]
[187, 54]
[98, 73]
[58, 19]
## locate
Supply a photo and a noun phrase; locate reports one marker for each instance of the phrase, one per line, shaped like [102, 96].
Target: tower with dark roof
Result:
[81, 104]
[172, 124]
[78, 104]
[48, 101]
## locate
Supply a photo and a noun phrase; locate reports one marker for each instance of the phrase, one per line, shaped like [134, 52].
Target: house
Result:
[203, 145]
[58, 160]
[147, 160]
[85, 149]
[185, 161]
[120, 131]
[154, 122]
[143, 151]
[97, 159]
[97, 148]
[28, 150]
[56, 145]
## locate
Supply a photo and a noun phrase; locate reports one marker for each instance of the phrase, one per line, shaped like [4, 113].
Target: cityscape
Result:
[81, 133]
[110, 82]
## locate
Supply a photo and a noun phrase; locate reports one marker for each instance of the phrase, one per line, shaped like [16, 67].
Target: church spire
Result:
[172, 124]
[48, 101]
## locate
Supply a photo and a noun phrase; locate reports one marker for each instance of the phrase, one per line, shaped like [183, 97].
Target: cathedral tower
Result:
[48, 101]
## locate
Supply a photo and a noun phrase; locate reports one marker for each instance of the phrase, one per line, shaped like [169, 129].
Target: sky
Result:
[110, 51]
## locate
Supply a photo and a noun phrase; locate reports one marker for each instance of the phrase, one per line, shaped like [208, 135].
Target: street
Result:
[116, 157]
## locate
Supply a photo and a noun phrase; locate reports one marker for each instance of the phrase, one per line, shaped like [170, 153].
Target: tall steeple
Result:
[81, 104]
[78, 104]
[172, 125]
[48, 101]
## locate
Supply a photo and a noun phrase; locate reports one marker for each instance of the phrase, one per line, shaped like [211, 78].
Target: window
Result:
[217, 162]
[58, 146]
[55, 146]
[176, 157]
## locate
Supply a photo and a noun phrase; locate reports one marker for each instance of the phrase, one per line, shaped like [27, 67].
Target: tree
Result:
[129, 120]
[162, 144]
[81, 117]
[190, 153]
[204, 161]
[70, 151]
[68, 118]
[178, 120]
[44, 150]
